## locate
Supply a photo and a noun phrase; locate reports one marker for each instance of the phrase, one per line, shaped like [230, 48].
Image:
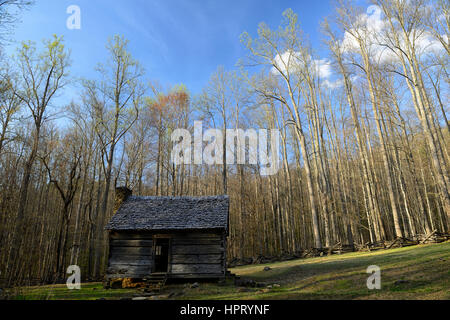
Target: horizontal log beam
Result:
[116, 251]
[187, 242]
[131, 243]
[137, 262]
[197, 249]
[197, 268]
[197, 258]
[130, 236]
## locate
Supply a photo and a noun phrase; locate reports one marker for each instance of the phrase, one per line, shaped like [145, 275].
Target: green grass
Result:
[89, 291]
[426, 270]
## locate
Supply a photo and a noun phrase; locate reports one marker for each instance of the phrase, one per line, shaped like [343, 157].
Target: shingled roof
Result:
[171, 213]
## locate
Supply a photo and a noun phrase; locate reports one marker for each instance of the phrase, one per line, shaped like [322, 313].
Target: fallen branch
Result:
[394, 242]
[428, 237]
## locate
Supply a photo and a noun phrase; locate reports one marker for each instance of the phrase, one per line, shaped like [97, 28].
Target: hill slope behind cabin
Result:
[420, 272]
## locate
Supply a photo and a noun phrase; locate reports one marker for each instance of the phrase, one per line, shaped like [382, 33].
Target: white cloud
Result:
[333, 84]
[428, 44]
[371, 26]
[293, 60]
[287, 61]
[323, 68]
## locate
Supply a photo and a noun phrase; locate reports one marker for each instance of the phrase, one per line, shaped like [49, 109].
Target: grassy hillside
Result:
[421, 272]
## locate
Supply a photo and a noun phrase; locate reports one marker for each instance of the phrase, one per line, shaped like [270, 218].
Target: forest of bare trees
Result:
[364, 140]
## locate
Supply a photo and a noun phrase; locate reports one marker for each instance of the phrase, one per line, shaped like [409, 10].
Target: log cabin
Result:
[172, 237]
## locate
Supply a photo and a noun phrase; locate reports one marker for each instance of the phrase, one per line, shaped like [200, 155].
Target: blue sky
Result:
[176, 41]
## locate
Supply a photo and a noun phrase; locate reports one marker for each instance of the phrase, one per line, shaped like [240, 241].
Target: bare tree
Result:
[42, 76]
[278, 50]
[9, 15]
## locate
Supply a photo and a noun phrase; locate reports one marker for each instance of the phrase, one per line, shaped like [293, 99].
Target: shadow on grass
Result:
[423, 269]
[357, 264]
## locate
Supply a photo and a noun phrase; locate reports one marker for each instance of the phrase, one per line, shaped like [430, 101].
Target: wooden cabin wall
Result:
[130, 255]
[197, 255]
[191, 255]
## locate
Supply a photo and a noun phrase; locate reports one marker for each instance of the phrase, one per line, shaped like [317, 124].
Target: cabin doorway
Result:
[161, 255]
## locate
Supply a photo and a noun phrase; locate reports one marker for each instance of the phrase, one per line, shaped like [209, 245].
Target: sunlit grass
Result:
[89, 291]
[424, 269]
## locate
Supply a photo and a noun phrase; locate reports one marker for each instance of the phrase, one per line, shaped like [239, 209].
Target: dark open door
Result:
[161, 255]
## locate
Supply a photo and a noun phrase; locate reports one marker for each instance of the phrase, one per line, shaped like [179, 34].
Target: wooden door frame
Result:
[169, 255]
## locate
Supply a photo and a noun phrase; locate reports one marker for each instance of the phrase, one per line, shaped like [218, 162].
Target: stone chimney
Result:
[122, 194]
